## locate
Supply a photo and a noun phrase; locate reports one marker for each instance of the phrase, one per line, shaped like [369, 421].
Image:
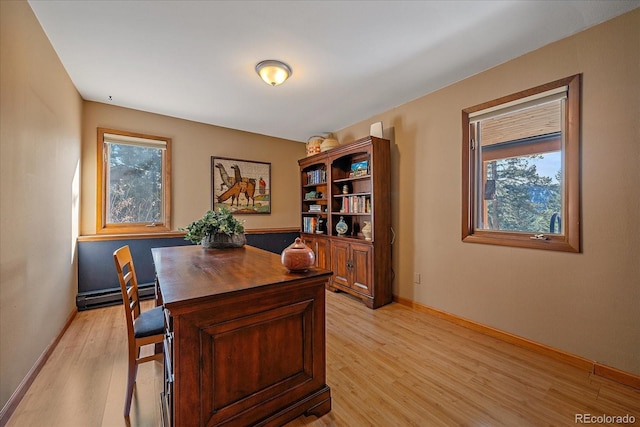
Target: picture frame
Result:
[241, 186]
[359, 169]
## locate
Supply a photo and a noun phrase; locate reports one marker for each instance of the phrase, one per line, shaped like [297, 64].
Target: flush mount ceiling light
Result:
[273, 72]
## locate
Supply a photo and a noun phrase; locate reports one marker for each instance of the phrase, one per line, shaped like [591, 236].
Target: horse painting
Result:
[234, 181]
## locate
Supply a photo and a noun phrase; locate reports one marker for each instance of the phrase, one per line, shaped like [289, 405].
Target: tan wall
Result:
[40, 130]
[588, 303]
[193, 144]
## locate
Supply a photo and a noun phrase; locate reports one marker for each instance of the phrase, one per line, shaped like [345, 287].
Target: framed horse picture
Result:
[242, 186]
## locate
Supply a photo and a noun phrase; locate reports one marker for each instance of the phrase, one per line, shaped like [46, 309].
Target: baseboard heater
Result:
[113, 296]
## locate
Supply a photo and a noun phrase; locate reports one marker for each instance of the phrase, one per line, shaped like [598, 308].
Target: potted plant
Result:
[216, 229]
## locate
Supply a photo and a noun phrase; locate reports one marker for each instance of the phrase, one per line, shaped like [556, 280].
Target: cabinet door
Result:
[362, 265]
[320, 248]
[340, 262]
[323, 253]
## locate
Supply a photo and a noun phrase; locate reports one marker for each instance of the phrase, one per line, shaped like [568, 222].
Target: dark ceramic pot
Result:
[221, 241]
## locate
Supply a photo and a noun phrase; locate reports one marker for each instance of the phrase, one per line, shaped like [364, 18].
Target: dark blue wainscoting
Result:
[97, 278]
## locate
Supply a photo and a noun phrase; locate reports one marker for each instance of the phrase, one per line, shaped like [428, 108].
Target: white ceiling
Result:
[351, 59]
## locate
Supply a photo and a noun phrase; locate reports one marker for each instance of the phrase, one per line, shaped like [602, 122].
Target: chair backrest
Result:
[128, 285]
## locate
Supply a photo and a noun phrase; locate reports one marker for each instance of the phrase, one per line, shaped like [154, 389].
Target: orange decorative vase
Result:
[298, 257]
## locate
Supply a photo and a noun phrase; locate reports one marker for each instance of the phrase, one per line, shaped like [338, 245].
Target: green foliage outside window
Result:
[523, 200]
[135, 184]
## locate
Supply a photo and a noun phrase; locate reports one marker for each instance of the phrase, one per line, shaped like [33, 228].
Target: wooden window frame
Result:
[569, 241]
[102, 227]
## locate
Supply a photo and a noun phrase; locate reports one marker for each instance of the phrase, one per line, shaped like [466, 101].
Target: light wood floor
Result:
[390, 367]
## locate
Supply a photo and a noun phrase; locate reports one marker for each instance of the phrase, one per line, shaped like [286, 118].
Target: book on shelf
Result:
[318, 176]
[356, 204]
[309, 224]
[315, 208]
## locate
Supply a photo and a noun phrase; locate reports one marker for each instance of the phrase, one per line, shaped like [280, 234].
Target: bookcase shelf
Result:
[353, 181]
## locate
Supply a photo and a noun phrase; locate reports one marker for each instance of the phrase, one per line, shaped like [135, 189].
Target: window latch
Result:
[153, 224]
[539, 237]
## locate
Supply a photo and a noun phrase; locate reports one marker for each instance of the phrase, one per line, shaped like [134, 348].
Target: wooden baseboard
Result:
[616, 375]
[23, 387]
[596, 368]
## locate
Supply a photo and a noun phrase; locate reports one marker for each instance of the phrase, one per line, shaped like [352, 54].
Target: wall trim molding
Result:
[170, 234]
[272, 230]
[15, 399]
[591, 366]
[132, 236]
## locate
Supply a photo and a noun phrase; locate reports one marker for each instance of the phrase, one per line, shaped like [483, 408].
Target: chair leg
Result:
[132, 372]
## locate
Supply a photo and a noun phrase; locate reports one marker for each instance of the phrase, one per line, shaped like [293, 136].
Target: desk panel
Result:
[246, 351]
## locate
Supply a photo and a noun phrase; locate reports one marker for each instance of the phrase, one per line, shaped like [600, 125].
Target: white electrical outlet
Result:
[416, 278]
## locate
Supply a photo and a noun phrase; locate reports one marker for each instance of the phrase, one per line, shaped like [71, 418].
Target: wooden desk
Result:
[245, 339]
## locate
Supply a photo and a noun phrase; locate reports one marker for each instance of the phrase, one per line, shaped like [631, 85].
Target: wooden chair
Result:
[143, 328]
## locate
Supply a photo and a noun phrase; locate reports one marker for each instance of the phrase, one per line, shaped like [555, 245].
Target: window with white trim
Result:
[134, 176]
[521, 169]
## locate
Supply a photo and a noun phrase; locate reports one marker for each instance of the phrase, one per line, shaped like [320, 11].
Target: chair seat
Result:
[150, 322]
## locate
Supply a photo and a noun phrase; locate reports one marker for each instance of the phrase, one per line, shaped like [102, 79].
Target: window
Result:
[521, 169]
[134, 176]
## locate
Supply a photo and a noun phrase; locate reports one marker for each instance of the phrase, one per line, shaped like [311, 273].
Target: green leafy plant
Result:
[220, 221]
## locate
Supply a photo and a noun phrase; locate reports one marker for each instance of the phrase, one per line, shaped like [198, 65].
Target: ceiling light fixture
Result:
[273, 72]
